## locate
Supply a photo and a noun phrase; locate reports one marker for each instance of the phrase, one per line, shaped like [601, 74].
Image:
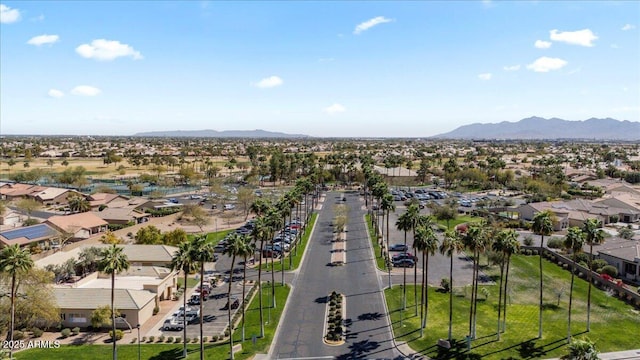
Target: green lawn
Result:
[459, 220]
[213, 236]
[520, 339]
[174, 351]
[191, 282]
[376, 247]
[295, 256]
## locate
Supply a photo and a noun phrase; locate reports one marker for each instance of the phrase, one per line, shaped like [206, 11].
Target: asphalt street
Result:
[301, 330]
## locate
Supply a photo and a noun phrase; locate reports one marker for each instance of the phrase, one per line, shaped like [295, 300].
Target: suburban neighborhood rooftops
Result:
[73, 222]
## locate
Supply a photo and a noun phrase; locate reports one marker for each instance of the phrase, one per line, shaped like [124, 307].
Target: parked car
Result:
[234, 303]
[403, 263]
[404, 255]
[398, 247]
[173, 324]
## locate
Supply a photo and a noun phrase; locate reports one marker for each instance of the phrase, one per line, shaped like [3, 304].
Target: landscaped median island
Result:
[338, 246]
[615, 325]
[163, 349]
[380, 261]
[334, 327]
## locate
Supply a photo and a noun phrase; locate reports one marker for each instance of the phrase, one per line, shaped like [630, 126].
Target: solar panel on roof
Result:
[30, 232]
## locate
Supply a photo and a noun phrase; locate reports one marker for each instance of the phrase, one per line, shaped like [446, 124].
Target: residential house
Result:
[81, 225]
[98, 200]
[624, 255]
[41, 235]
[123, 216]
[529, 211]
[53, 196]
[628, 205]
[15, 191]
[77, 304]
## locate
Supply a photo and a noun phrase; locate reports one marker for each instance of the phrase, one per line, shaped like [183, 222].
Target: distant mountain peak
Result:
[258, 133]
[537, 128]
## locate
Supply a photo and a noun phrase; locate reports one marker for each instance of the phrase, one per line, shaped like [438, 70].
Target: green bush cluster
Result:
[334, 329]
[555, 243]
[18, 335]
[66, 332]
[119, 334]
[36, 332]
[75, 330]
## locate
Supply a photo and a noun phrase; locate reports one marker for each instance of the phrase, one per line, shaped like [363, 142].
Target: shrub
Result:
[75, 330]
[205, 339]
[178, 339]
[170, 339]
[18, 335]
[36, 332]
[156, 310]
[598, 264]
[144, 339]
[528, 240]
[214, 338]
[152, 338]
[65, 333]
[194, 340]
[609, 270]
[161, 338]
[187, 340]
[119, 334]
[554, 243]
[445, 285]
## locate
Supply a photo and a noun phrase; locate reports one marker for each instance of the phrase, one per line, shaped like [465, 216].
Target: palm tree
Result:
[474, 240]
[233, 248]
[284, 208]
[14, 261]
[573, 242]
[593, 235]
[113, 261]
[543, 226]
[511, 246]
[182, 261]
[498, 246]
[202, 252]
[387, 205]
[260, 232]
[78, 204]
[405, 224]
[248, 248]
[416, 218]
[450, 244]
[427, 242]
[273, 222]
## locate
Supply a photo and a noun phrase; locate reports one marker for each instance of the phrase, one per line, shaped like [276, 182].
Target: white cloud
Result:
[43, 39]
[485, 76]
[541, 44]
[270, 82]
[512, 68]
[628, 27]
[546, 64]
[335, 109]
[364, 26]
[580, 37]
[85, 90]
[55, 93]
[37, 18]
[107, 50]
[8, 15]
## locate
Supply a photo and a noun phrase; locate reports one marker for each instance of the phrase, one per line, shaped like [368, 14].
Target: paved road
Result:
[301, 331]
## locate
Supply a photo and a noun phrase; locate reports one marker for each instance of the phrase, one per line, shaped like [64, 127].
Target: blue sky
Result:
[384, 69]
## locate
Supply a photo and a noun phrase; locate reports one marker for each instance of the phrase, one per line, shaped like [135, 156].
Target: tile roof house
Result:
[629, 204]
[122, 216]
[39, 234]
[77, 304]
[81, 225]
[110, 200]
[53, 196]
[17, 191]
[624, 255]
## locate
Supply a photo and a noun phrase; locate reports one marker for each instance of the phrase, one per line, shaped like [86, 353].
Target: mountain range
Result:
[220, 134]
[541, 128]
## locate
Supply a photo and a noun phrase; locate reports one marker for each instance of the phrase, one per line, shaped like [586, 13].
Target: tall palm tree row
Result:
[260, 233]
[573, 242]
[405, 224]
[543, 226]
[233, 248]
[273, 223]
[201, 253]
[182, 261]
[426, 242]
[593, 235]
[112, 261]
[15, 261]
[248, 248]
[474, 241]
[511, 246]
[451, 244]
